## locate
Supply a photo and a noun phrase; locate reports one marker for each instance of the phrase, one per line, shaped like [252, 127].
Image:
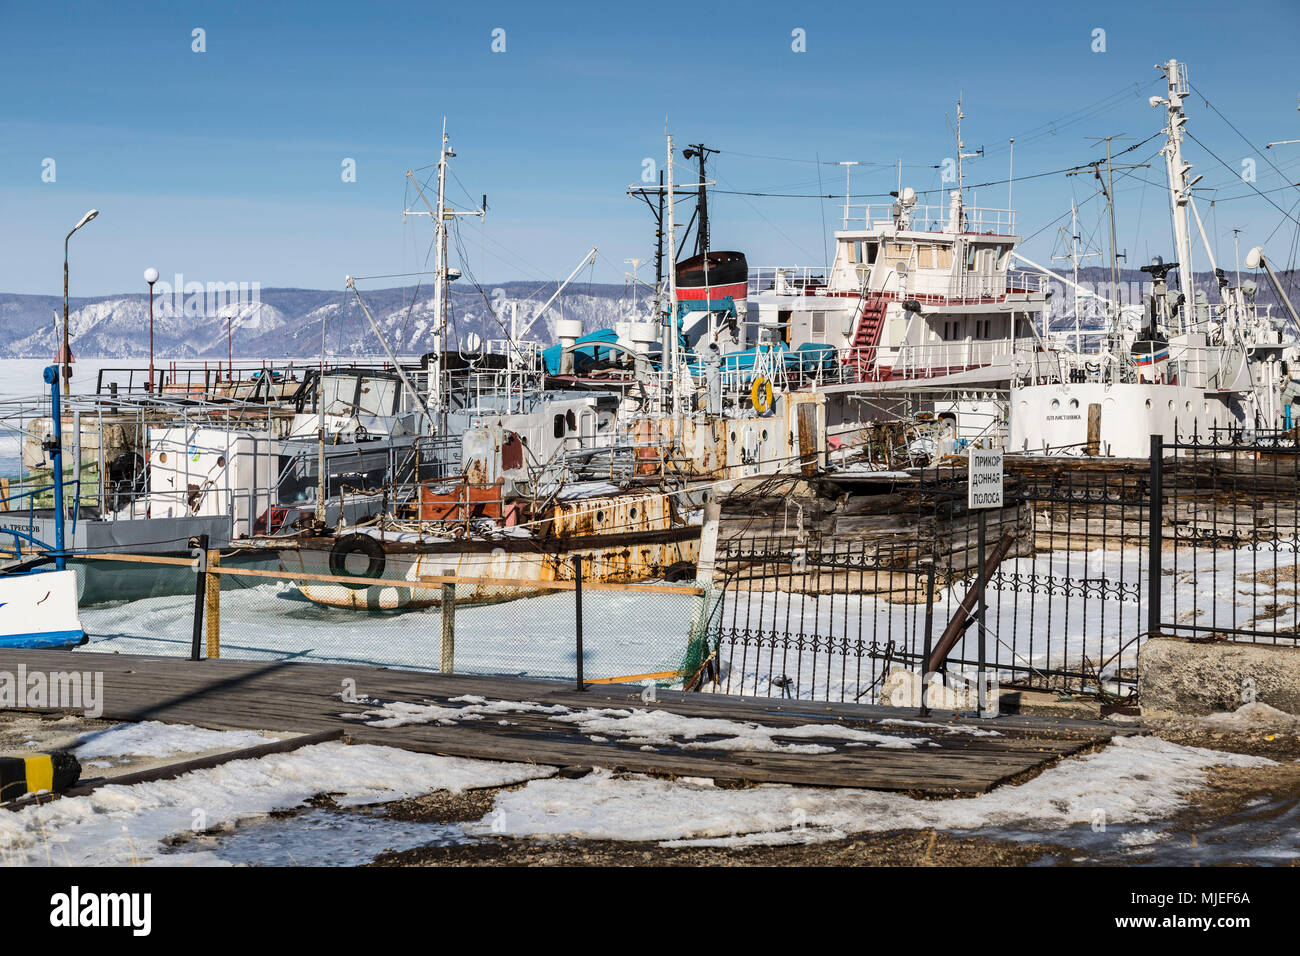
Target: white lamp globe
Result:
[151, 275]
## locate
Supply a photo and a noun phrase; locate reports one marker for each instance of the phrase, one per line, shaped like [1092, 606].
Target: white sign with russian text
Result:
[984, 478]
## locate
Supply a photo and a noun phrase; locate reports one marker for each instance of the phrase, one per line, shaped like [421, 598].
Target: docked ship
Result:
[1184, 366]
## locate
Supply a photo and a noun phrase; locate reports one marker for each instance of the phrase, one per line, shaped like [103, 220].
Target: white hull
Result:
[1053, 419]
[39, 609]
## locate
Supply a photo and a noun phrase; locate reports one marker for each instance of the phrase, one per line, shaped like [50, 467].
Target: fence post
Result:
[448, 663]
[980, 690]
[577, 609]
[200, 545]
[213, 596]
[1155, 529]
[929, 636]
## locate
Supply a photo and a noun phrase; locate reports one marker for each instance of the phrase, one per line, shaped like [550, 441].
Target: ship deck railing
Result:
[981, 220]
[27, 497]
[850, 365]
[964, 287]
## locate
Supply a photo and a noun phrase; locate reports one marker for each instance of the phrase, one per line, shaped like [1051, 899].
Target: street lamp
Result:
[150, 276]
[66, 357]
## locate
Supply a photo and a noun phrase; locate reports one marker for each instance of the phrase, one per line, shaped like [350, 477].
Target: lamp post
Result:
[150, 276]
[66, 357]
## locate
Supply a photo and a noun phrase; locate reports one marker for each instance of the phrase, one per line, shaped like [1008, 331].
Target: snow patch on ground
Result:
[1255, 717]
[153, 738]
[1251, 717]
[399, 713]
[120, 825]
[1133, 780]
[646, 728]
[664, 728]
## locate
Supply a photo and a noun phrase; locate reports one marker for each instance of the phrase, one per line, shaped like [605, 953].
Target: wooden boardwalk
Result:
[942, 757]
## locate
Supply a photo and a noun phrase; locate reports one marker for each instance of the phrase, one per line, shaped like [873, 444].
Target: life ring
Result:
[351, 544]
[760, 395]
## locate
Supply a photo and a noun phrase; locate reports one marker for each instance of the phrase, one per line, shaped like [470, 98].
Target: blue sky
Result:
[225, 165]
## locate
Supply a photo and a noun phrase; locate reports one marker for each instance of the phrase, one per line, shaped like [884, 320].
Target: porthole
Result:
[162, 457]
[600, 517]
[1074, 403]
[221, 461]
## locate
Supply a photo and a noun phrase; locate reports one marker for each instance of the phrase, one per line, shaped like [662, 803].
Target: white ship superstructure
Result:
[921, 310]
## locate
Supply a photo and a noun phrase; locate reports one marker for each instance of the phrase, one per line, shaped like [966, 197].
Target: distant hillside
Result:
[288, 322]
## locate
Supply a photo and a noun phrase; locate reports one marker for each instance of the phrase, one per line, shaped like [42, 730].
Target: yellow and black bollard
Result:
[23, 774]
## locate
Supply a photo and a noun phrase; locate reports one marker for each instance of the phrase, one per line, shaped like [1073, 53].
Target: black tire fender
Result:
[351, 544]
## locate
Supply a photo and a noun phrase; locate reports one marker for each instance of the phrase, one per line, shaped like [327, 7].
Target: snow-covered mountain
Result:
[290, 322]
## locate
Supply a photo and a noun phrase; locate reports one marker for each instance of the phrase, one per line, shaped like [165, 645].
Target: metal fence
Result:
[1228, 537]
[1065, 590]
[821, 620]
[1087, 558]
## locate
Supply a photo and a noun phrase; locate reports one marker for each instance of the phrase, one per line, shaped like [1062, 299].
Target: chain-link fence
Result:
[263, 606]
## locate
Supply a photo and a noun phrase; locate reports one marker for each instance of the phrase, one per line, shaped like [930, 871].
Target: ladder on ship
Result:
[866, 334]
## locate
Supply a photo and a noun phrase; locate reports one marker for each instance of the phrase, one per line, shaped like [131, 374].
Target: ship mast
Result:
[671, 350]
[440, 273]
[1075, 256]
[1177, 170]
[441, 214]
[961, 173]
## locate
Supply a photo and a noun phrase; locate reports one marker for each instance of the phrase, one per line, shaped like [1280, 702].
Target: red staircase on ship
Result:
[866, 336]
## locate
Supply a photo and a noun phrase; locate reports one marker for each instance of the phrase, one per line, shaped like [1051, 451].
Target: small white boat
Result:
[39, 609]
[38, 604]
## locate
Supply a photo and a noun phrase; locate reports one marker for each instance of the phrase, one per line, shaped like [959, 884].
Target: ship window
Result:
[819, 323]
[559, 426]
[870, 250]
[855, 251]
[902, 251]
[943, 257]
[923, 256]
[970, 257]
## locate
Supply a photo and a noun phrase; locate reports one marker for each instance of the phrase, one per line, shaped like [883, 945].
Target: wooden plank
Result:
[305, 698]
[212, 606]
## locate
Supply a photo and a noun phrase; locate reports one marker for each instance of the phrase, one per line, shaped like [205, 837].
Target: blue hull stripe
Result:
[44, 639]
